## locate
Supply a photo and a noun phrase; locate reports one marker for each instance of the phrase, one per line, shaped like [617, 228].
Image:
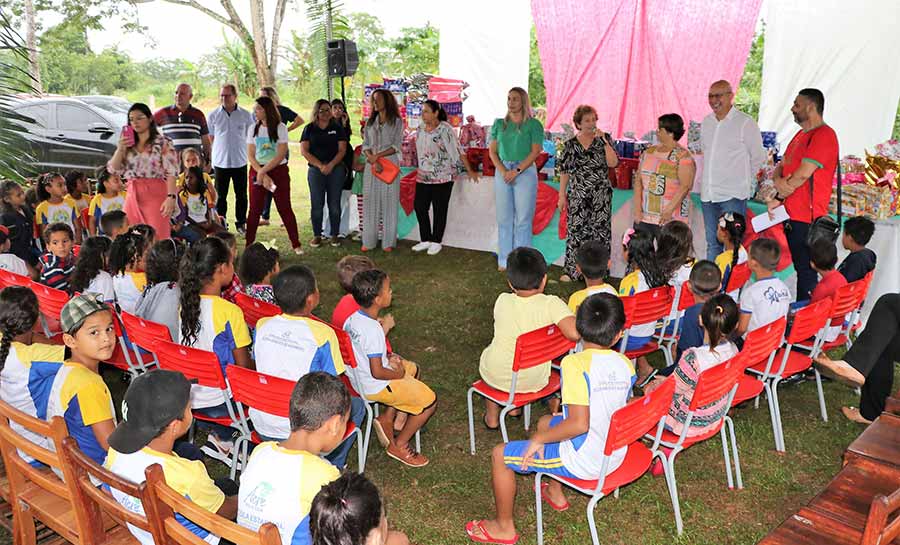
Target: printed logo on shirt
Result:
[259, 496]
[774, 296]
[60, 216]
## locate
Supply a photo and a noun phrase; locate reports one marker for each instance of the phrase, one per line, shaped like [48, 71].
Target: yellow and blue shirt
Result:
[579, 296]
[278, 486]
[78, 204]
[222, 330]
[723, 260]
[289, 347]
[46, 213]
[601, 380]
[101, 205]
[26, 380]
[635, 282]
[186, 477]
[129, 286]
[82, 399]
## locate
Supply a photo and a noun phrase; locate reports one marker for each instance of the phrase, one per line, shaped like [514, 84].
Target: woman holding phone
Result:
[267, 147]
[149, 163]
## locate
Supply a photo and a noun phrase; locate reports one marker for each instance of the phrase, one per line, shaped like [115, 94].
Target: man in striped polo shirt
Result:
[185, 125]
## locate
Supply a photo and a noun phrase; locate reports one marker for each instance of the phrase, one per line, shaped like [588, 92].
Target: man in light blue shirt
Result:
[228, 126]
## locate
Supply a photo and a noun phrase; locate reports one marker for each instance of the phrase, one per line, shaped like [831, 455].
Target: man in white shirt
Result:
[228, 125]
[732, 155]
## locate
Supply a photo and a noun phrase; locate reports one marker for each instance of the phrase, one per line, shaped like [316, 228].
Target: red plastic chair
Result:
[847, 301]
[647, 307]
[810, 321]
[143, 336]
[121, 357]
[51, 301]
[740, 274]
[254, 309]
[85, 220]
[272, 395]
[759, 345]
[714, 384]
[205, 368]
[683, 300]
[8, 279]
[533, 349]
[626, 429]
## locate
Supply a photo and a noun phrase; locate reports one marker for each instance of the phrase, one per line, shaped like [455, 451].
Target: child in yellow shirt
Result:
[591, 262]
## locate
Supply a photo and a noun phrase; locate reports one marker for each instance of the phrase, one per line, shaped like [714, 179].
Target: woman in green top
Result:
[516, 141]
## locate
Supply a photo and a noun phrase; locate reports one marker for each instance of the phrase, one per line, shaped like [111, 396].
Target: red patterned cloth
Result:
[408, 192]
[775, 233]
[544, 207]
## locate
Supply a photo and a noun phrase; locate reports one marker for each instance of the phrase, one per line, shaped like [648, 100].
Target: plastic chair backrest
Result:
[254, 309]
[648, 306]
[809, 320]
[762, 342]
[144, 333]
[632, 421]
[90, 501]
[266, 393]
[192, 363]
[740, 274]
[848, 298]
[163, 502]
[86, 217]
[19, 471]
[8, 278]
[50, 300]
[540, 346]
[685, 298]
[715, 383]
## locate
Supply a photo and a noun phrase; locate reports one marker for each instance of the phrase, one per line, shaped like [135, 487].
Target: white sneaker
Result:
[434, 248]
[218, 449]
[421, 247]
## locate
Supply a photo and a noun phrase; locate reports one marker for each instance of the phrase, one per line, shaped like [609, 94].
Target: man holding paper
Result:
[732, 155]
[803, 181]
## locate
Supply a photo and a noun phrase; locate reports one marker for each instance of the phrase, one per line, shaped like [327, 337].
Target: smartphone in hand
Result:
[128, 134]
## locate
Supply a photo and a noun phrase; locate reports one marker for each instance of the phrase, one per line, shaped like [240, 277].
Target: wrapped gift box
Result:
[874, 202]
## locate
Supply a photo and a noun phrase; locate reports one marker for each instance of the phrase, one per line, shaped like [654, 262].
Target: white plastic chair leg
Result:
[471, 421]
[418, 442]
[538, 504]
[595, 540]
[771, 402]
[669, 474]
[360, 451]
[734, 448]
[503, 412]
[616, 493]
[723, 435]
[368, 434]
[527, 416]
[777, 415]
[822, 410]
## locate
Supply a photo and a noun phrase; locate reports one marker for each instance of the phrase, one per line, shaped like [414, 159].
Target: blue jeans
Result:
[224, 433]
[326, 187]
[515, 204]
[345, 217]
[711, 213]
[338, 456]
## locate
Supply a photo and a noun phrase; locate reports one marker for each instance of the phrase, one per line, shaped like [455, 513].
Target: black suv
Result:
[67, 134]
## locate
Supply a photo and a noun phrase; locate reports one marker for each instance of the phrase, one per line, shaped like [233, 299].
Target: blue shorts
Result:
[551, 463]
[634, 342]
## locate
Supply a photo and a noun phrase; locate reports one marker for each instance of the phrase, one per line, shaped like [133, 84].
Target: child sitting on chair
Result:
[526, 309]
[157, 411]
[591, 262]
[767, 299]
[596, 383]
[386, 378]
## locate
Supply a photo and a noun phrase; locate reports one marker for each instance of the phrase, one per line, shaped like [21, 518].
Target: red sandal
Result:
[485, 537]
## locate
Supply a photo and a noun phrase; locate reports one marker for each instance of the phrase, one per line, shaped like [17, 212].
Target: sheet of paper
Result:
[763, 221]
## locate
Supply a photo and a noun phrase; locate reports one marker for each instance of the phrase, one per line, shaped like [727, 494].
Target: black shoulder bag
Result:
[824, 227]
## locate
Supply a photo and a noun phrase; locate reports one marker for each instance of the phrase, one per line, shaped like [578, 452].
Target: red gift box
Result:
[624, 173]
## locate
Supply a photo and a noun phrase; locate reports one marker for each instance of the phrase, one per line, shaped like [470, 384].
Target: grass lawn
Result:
[443, 308]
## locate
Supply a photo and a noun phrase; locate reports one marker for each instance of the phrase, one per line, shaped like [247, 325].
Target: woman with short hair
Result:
[665, 177]
[585, 193]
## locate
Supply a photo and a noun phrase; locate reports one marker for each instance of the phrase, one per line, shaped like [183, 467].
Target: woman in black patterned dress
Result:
[584, 188]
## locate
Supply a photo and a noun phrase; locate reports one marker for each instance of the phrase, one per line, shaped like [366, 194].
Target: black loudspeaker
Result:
[342, 58]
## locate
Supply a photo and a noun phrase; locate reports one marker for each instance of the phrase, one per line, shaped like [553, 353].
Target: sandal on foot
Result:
[546, 498]
[380, 433]
[485, 537]
[854, 415]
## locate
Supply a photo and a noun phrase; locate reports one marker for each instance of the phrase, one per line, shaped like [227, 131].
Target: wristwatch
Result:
[170, 196]
[518, 170]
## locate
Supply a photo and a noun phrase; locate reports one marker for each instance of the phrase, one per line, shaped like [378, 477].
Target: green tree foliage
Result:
[14, 79]
[750, 89]
[536, 91]
[70, 67]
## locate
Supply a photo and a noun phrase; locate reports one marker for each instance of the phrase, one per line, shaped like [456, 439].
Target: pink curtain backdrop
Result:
[635, 60]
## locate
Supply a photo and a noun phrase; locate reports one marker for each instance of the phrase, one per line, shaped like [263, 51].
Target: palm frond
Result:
[15, 156]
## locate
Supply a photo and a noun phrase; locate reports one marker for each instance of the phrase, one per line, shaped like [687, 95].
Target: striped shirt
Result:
[185, 129]
[55, 271]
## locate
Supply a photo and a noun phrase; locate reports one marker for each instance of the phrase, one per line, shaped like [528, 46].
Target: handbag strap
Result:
[812, 215]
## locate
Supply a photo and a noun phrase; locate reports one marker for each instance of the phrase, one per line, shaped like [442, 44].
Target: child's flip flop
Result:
[546, 498]
[485, 537]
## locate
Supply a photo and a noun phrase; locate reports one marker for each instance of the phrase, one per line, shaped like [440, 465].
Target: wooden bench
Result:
[880, 442]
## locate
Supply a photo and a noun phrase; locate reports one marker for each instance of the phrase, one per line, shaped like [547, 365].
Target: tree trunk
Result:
[260, 56]
[34, 66]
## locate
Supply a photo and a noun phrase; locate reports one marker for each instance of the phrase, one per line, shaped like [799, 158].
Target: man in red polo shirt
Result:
[811, 155]
[185, 125]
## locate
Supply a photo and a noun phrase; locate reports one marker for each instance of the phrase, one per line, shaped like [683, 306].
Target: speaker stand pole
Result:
[343, 97]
